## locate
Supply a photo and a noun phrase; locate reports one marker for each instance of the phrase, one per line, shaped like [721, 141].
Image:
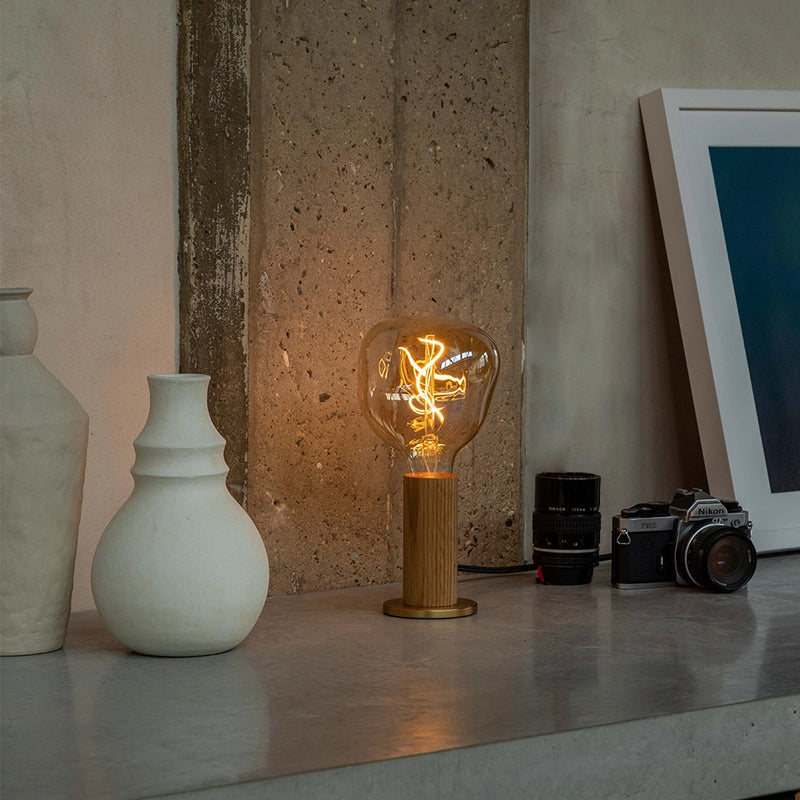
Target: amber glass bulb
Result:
[425, 385]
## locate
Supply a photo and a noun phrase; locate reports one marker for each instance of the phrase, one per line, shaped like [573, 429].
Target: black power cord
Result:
[602, 557]
[512, 569]
[497, 570]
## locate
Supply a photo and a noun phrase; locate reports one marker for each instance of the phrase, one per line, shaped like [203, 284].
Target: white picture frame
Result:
[690, 133]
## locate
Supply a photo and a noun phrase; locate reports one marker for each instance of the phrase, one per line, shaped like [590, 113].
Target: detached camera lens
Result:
[566, 526]
[717, 557]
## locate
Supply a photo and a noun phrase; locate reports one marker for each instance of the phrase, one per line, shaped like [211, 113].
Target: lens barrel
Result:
[716, 557]
[566, 526]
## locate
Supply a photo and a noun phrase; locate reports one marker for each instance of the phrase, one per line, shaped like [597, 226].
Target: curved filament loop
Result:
[429, 392]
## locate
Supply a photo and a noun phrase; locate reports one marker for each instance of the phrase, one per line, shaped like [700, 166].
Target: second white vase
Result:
[181, 569]
[43, 437]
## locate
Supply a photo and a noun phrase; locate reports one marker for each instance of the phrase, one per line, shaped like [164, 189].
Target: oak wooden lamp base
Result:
[430, 552]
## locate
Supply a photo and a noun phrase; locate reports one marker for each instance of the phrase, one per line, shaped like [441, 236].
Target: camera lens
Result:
[566, 526]
[716, 557]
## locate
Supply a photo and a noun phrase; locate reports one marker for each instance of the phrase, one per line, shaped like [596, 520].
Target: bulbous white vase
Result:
[181, 569]
[43, 437]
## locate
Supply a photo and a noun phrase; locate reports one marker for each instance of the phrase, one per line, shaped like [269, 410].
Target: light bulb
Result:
[425, 385]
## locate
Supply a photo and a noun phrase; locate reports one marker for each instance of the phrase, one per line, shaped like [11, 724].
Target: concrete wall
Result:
[388, 175]
[89, 215]
[607, 388]
[214, 213]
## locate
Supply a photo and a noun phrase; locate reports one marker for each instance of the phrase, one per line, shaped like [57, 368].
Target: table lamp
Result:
[425, 385]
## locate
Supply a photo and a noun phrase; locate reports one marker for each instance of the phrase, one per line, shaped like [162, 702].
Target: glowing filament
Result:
[432, 387]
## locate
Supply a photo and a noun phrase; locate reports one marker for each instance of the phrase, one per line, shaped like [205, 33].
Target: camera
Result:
[695, 540]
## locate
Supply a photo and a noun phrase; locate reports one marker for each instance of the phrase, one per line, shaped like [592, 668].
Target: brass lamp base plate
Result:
[461, 608]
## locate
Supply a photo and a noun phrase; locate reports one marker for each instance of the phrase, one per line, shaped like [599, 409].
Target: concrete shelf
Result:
[547, 692]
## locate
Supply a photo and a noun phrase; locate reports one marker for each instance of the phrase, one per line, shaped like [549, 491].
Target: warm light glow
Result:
[432, 388]
[425, 385]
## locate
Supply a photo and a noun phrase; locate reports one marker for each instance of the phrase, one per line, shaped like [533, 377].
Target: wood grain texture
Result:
[430, 540]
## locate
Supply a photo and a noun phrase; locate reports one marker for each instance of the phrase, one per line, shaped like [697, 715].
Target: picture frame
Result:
[726, 170]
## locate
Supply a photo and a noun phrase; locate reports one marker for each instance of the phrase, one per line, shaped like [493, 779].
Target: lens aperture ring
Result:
[565, 558]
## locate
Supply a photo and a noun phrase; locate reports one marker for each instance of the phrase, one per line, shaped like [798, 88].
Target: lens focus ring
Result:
[575, 530]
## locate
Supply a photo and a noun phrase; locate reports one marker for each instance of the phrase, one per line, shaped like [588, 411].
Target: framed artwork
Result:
[726, 168]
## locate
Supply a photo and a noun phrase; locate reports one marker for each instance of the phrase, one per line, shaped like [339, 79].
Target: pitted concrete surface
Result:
[389, 148]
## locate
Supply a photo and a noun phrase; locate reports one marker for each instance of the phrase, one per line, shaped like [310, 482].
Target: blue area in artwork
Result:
[758, 190]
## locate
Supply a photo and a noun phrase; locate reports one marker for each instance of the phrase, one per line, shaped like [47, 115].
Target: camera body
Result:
[695, 540]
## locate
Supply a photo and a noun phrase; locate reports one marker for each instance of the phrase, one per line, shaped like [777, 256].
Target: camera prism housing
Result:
[696, 540]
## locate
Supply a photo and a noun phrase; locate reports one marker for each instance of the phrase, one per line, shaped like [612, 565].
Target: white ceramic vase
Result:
[181, 569]
[43, 437]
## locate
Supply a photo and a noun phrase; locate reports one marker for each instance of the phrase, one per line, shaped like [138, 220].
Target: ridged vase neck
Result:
[179, 439]
[18, 328]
